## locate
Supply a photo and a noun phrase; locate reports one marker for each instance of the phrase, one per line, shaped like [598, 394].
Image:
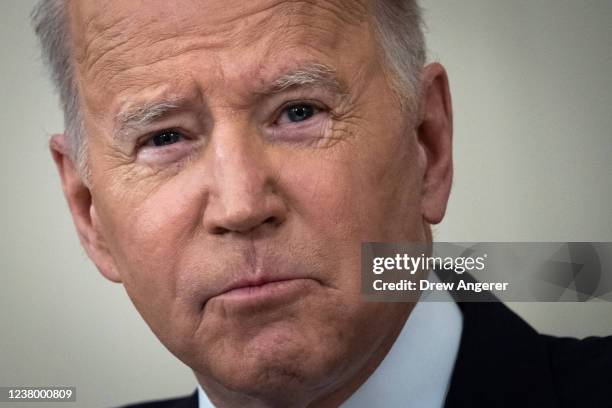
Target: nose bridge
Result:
[239, 169]
[242, 197]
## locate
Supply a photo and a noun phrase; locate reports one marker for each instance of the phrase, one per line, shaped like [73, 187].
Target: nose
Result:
[244, 195]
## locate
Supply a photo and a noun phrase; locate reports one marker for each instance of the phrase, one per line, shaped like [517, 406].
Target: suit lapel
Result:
[502, 361]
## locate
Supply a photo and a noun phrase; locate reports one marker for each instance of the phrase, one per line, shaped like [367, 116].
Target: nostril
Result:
[219, 230]
[244, 227]
[270, 220]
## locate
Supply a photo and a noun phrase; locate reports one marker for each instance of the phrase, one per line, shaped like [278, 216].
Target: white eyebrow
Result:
[142, 115]
[311, 75]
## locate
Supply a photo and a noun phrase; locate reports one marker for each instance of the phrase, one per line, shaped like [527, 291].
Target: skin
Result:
[246, 193]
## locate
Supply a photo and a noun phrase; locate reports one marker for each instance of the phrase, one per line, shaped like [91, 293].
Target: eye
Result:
[297, 113]
[164, 138]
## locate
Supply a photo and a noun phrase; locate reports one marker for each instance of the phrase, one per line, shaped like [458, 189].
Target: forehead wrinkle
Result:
[350, 12]
[100, 53]
[107, 35]
[88, 29]
[320, 19]
[124, 74]
[113, 68]
[103, 34]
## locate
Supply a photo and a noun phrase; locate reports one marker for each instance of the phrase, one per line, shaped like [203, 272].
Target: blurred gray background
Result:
[533, 152]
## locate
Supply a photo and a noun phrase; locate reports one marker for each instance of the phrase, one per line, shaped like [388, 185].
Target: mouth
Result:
[251, 293]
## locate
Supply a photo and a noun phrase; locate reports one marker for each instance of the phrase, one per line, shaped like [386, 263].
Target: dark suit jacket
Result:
[503, 362]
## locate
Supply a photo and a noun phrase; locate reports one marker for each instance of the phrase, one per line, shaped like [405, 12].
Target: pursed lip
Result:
[254, 283]
[263, 289]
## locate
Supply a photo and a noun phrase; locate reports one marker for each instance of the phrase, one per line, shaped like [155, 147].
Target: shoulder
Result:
[581, 369]
[190, 401]
[504, 362]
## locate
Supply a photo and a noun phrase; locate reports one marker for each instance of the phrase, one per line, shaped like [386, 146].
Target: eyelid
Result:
[188, 122]
[145, 139]
[319, 107]
[165, 154]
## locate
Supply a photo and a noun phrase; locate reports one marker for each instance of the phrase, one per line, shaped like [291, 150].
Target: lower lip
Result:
[277, 291]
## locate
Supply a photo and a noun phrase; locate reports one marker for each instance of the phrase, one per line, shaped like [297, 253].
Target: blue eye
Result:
[167, 137]
[300, 112]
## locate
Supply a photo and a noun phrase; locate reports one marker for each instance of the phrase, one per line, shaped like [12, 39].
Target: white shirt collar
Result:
[418, 368]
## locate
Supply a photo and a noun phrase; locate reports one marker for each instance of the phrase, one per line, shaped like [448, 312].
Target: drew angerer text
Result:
[425, 285]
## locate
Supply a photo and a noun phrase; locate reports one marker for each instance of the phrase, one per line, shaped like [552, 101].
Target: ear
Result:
[434, 134]
[82, 209]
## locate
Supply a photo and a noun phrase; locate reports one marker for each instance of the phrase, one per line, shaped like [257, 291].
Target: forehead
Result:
[118, 41]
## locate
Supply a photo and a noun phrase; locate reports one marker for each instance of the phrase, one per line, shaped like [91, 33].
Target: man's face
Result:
[240, 152]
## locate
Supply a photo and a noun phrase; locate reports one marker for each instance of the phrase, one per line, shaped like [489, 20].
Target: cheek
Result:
[147, 233]
[355, 196]
[346, 199]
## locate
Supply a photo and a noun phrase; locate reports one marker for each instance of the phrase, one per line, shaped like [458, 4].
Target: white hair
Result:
[51, 26]
[398, 24]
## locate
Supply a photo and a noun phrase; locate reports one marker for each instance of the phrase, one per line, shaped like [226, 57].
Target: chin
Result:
[279, 361]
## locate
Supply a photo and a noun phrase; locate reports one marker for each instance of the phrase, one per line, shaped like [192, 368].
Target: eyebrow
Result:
[311, 75]
[314, 75]
[143, 115]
